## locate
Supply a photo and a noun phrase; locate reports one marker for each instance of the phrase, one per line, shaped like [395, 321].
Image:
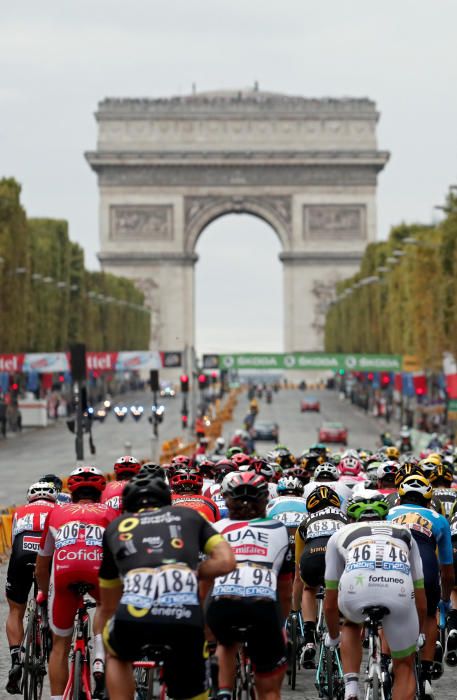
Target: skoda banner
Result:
[312, 360]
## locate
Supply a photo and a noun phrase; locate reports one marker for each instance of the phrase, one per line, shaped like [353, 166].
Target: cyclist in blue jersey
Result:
[431, 532]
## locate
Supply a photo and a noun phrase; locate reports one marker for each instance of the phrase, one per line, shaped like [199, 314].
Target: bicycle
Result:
[148, 673]
[374, 688]
[329, 679]
[244, 688]
[294, 626]
[36, 648]
[79, 686]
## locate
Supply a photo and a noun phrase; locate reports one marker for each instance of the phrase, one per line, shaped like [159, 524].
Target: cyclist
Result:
[431, 531]
[324, 518]
[57, 481]
[124, 468]
[149, 587]
[152, 469]
[186, 486]
[372, 563]
[72, 540]
[350, 469]
[327, 473]
[248, 597]
[289, 506]
[444, 496]
[268, 471]
[214, 492]
[27, 526]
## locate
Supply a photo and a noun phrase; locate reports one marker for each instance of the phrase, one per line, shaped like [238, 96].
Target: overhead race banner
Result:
[46, 362]
[312, 360]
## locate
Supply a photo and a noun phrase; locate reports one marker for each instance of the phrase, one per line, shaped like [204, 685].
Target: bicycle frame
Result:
[80, 646]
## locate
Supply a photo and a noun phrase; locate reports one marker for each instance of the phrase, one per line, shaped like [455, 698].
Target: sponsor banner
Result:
[312, 360]
[46, 362]
[49, 363]
[171, 359]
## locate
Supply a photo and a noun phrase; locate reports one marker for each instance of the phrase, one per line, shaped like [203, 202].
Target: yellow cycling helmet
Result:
[416, 485]
[392, 452]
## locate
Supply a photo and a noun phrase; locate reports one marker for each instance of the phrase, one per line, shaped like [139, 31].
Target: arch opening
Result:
[239, 286]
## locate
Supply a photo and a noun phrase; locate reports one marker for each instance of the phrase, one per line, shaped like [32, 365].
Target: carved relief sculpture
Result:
[141, 223]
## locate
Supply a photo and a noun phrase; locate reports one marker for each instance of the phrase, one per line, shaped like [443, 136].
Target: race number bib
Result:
[322, 528]
[387, 555]
[169, 585]
[85, 533]
[247, 581]
[290, 518]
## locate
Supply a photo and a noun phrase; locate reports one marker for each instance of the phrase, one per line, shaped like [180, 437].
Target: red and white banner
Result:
[48, 363]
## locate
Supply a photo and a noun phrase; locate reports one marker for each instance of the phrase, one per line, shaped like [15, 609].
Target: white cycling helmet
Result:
[289, 485]
[326, 471]
[42, 490]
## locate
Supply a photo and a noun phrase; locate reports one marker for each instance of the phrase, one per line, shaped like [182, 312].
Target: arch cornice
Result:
[199, 211]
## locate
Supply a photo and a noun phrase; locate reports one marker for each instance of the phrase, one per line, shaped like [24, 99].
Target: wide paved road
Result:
[25, 458]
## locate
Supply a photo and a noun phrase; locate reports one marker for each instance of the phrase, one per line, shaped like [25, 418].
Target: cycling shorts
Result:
[312, 562]
[184, 665]
[265, 633]
[431, 577]
[63, 601]
[21, 567]
[360, 589]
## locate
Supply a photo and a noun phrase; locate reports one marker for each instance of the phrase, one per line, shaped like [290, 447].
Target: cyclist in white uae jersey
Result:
[249, 596]
[374, 563]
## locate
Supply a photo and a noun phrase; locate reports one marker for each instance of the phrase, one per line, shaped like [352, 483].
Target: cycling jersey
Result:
[379, 564]
[428, 528]
[311, 543]
[155, 553]
[340, 487]
[73, 536]
[247, 597]
[288, 510]
[205, 506]
[27, 525]
[112, 495]
[214, 493]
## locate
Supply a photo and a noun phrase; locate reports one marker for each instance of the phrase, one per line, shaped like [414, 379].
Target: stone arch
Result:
[201, 211]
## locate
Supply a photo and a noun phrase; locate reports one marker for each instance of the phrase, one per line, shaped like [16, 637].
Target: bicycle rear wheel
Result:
[329, 672]
[34, 663]
[293, 632]
[78, 693]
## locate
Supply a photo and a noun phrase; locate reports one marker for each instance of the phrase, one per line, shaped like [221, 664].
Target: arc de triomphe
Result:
[168, 167]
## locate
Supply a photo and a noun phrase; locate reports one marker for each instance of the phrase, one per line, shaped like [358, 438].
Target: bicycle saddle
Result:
[376, 612]
[81, 588]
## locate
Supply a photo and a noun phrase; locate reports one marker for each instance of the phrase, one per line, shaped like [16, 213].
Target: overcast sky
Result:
[58, 58]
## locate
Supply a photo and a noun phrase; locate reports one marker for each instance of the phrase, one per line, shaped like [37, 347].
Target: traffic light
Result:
[214, 377]
[154, 379]
[370, 376]
[385, 380]
[341, 372]
[202, 381]
[184, 421]
[184, 383]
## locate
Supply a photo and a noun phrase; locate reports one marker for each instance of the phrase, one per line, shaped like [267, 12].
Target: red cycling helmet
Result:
[350, 466]
[86, 476]
[127, 465]
[247, 485]
[222, 468]
[262, 467]
[242, 461]
[206, 468]
[186, 481]
[182, 461]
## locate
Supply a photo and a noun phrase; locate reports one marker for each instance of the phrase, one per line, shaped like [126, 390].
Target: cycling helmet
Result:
[127, 465]
[289, 485]
[242, 462]
[429, 464]
[320, 448]
[442, 475]
[86, 476]
[53, 479]
[283, 456]
[326, 472]
[392, 452]
[261, 466]
[206, 467]
[387, 471]
[186, 481]
[220, 442]
[247, 486]
[152, 469]
[234, 450]
[299, 473]
[221, 468]
[322, 497]
[182, 462]
[145, 491]
[310, 461]
[42, 490]
[367, 505]
[415, 488]
[407, 469]
[350, 466]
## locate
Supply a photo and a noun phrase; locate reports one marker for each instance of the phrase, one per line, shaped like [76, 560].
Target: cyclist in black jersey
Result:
[149, 586]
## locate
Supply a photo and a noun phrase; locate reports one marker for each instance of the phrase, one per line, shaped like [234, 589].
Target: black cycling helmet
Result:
[53, 479]
[247, 486]
[152, 469]
[145, 491]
